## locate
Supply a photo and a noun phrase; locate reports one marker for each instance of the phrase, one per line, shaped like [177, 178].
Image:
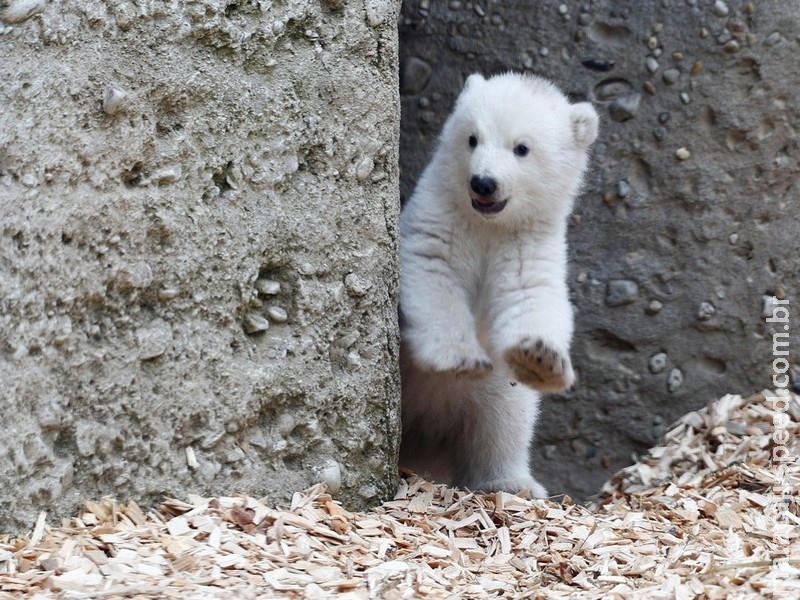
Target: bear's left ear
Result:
[585, 122]
[473, 81]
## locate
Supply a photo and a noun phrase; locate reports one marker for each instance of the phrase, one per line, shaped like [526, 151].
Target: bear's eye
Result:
[521, 150]
[473, 140]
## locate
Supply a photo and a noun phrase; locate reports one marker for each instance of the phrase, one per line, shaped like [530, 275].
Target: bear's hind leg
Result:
[493, 450]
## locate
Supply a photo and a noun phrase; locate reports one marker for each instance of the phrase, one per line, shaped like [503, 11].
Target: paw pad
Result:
[539, 365]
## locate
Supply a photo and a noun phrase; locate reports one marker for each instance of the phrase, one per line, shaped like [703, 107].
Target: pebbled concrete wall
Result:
[197, 250]
[690, 217]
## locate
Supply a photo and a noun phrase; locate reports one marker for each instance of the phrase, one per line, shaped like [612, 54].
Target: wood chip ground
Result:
[708, 514]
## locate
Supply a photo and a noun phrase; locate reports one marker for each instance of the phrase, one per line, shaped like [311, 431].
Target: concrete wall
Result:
[690, 216]
[197, 250]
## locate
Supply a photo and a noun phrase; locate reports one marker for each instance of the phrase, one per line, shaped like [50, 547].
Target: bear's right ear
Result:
[585, 123]
[473, 80]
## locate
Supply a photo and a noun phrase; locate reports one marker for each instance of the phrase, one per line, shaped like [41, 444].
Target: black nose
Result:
[483, 186]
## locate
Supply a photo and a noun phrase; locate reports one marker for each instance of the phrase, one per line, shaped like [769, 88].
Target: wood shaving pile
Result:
[703, 516]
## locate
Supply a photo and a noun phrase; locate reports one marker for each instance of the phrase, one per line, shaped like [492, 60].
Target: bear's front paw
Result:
[538, 365]
[458, 359]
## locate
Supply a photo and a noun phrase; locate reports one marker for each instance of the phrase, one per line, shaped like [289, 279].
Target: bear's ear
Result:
[473, 80]
[585, 122]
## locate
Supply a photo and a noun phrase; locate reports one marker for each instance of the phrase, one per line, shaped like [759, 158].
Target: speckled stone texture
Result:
[198, 206]
[690, 216]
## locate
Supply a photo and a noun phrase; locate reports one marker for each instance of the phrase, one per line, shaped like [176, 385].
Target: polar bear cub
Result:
[486, 322]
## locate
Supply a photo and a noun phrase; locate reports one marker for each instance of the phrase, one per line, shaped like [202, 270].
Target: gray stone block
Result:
[198, 243]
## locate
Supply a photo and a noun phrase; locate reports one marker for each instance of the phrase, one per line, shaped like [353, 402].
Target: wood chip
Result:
[706, 514]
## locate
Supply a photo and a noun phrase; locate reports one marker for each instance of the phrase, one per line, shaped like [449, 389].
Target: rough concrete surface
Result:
[197, 250]
[689, 218]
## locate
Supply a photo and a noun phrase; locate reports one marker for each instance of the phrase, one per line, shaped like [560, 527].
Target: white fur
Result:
[486, 319]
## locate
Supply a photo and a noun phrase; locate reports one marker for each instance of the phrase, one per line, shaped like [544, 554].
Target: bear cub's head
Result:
[516, 148]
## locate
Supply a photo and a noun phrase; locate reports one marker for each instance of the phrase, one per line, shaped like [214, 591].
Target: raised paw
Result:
[473, 368]
[459, 360]
[540, 366]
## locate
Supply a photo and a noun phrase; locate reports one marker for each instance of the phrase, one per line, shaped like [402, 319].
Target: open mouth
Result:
[487, 205]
